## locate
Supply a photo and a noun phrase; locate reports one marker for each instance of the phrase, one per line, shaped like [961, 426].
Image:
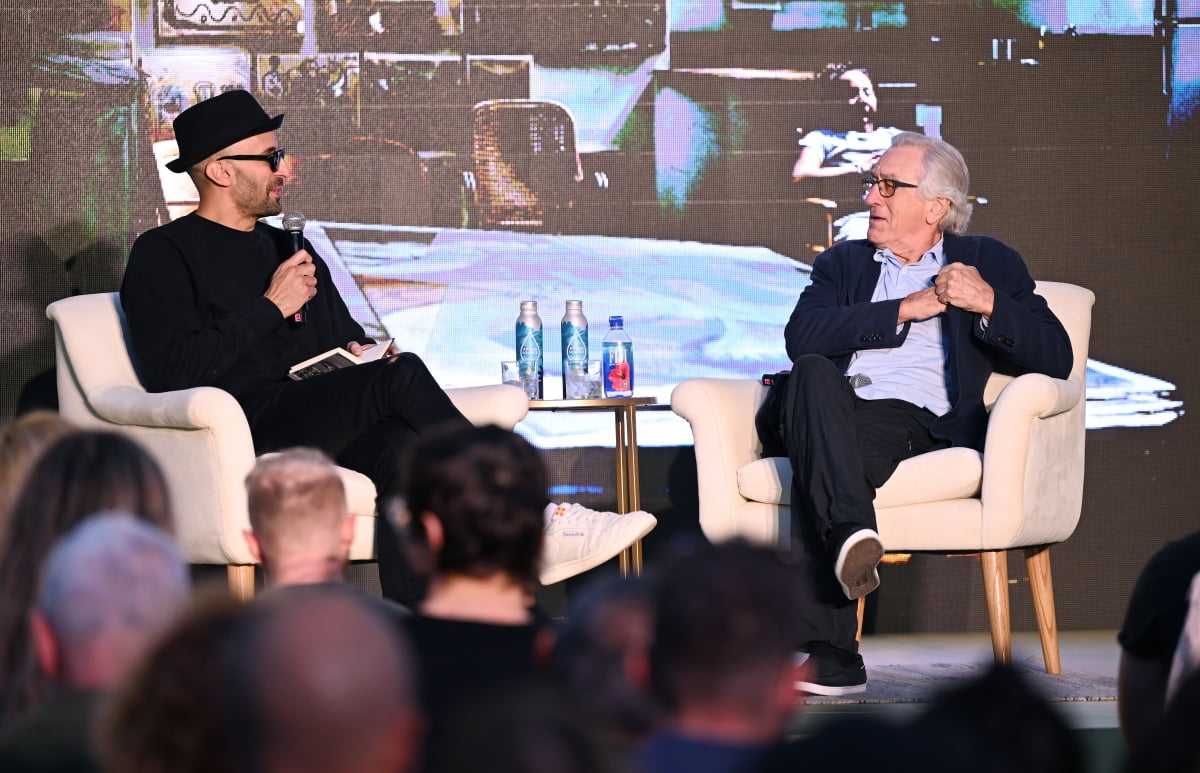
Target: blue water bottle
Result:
[618, 360]
[529, 349]
[574, 341]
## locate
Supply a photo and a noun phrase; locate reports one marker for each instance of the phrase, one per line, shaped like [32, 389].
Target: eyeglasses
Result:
[272, 159]
[887, 188]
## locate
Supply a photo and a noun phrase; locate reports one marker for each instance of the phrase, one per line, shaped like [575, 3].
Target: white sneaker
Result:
[577, 538]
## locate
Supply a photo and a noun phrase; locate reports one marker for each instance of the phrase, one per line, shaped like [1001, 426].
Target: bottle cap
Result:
[616, 321]
[574, 304]
[525, 305]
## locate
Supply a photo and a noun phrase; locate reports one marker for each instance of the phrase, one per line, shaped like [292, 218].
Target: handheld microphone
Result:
[293, 223]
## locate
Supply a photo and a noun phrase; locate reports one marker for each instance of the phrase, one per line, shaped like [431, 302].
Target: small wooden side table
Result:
[629, 496]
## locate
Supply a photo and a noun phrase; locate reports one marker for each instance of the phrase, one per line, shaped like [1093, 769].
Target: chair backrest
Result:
[91, 351]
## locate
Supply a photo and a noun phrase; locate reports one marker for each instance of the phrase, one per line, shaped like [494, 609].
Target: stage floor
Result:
[1089, 659]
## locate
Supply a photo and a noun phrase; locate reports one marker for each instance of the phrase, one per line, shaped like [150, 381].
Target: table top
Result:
[593, 403]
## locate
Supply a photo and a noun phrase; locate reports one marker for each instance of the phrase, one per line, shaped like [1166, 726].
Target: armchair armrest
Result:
[499, 404]
[1032, 490]
[721, 414]
[197, 408]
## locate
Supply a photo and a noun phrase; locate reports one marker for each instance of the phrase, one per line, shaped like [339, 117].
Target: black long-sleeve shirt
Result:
[193, 297]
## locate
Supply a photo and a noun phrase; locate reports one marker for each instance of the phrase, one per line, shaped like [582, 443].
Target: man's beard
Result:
[254, 201]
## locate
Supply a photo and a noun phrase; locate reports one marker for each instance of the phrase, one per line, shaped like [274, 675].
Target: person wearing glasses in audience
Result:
[219, 298]
[891, 344]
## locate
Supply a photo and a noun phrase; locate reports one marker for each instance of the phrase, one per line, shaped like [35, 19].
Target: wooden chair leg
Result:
[862, 608]
[1037, 562]
[995, 589]
[241, 581]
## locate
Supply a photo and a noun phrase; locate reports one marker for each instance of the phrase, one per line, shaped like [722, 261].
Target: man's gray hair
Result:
[946, 177]
[113, 573]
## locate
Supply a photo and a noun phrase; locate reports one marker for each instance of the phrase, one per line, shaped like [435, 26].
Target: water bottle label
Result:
[576, 349]
[618, 370]
[529, 348]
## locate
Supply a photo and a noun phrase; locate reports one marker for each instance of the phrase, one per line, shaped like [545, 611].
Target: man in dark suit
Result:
[892, 344]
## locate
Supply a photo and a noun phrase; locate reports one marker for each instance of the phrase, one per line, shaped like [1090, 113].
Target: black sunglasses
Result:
[272, 159]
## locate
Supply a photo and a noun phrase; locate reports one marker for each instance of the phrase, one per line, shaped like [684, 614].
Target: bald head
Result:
[333, 684]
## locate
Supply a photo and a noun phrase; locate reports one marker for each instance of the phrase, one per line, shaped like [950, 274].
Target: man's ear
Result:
[435, 535]
[347, 534]
[218, 174]
[253, 543]
[422, 548]
[936, 210]
[45, 645]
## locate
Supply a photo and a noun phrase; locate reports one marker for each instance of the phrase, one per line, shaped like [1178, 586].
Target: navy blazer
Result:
[835, 317]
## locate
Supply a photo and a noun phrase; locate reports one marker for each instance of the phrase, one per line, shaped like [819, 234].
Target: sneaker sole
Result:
[812, 688]
[857, 571]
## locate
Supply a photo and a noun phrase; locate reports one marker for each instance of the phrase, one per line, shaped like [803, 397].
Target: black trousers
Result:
[365, 417]
[841, 448]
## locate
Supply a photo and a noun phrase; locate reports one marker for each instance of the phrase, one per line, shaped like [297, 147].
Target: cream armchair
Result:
[1025, 491]
[200, 436]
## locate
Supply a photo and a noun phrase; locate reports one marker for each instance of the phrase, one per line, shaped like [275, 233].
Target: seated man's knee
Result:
[814, 368]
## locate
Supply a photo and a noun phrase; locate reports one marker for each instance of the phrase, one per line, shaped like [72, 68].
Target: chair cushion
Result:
[950, 473]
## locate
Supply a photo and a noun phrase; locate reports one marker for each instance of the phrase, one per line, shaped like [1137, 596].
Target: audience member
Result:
[602, 655]
[722, 660]
[21, 441]
[475, 517]
[109, 588]
[333, 688]
[992, 723]
[996, 723]
[300, 528]
[528, 727]
[80, 474]
[1170, 744]
[310, 679]
[1150, 633]
[171, 714]
[1187, 650]
[859, 743]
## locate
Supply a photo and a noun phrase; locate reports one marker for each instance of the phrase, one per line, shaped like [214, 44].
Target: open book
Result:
[336, 358]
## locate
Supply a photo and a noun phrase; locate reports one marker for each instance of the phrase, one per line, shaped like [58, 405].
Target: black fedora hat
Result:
[216, 123]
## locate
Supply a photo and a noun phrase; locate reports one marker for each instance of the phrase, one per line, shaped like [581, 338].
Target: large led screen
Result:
[679, 164]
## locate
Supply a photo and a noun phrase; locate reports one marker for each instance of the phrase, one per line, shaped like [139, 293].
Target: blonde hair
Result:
[22, 440]
[295, 497]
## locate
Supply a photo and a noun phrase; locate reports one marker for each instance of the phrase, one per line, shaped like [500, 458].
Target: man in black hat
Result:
[212, 298]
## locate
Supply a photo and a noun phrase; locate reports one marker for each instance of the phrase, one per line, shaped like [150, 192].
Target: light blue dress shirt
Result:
[915, 371]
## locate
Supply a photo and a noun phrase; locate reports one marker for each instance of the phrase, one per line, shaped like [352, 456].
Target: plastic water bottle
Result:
[529, 348]
[618, 360]
[574, 341]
